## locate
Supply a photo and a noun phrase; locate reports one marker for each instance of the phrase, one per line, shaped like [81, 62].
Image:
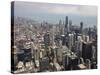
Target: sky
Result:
[52, 12]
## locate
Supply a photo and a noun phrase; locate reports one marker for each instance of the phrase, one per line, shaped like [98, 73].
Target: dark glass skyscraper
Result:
[70, 25]
[66, 25]
[81, 27]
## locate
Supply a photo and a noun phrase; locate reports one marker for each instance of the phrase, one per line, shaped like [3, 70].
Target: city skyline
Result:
[52, 13]
[49, 37]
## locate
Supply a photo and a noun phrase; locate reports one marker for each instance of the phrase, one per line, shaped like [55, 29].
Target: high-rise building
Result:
[85, 38]
[44, 64]
[66, 25]
[70, 25]
[94, 52]
[60, 23]
[78, 47]
[70, 41]
[81, 27]
[87, 51]
[36, 53]
[65, 61]
[47, 39]
[66, 22]
[64, 40]
[61, 27]
[27, 54]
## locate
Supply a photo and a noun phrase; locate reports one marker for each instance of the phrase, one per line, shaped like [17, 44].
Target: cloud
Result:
[81, 10]
[87, 10]
[76, 10]
[63, 10]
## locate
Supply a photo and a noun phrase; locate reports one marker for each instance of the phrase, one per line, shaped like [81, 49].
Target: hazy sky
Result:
[52, 13]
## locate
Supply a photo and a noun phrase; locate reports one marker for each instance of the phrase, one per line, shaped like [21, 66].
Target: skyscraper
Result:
[47, 39]
[81, 27]
[44, 64]
[60, 27]
[78, 47]
[66, 25]
[87, 51]
[66, 22]
[70, 41]
[70, 25]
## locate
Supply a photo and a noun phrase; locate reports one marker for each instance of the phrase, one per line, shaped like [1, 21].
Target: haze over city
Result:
[52, 13]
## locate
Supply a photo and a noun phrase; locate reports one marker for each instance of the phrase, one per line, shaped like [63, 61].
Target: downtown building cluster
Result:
[48, 47]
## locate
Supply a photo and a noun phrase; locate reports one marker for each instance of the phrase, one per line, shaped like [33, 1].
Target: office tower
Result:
[63, 38]
[14, 58]
[70, 41]
[81, 27]
[44, 64]
[66, 25]
[58, 54]
[90, 33]
[59, 58]
[70, 61]
[32, 48]
[55, 51]
[65, 61]
[78, 48]
[63, 28]
[53, 32]
[94, 57]
[70, 25]
[41, 54]
[87, 50]
[85, 38]
[88, 63]
[66, 22]
[27, 54]
[60, 23]
[60, 27]
[27, 51]
[95, 32]
[36, 53]
[73, 62]
[57, 32]
[76, 34]
[47, 39]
